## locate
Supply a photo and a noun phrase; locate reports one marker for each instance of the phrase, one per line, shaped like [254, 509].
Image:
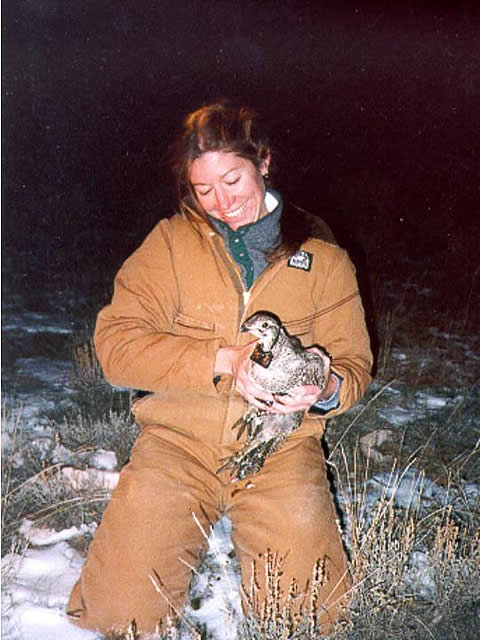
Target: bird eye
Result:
[264, 325]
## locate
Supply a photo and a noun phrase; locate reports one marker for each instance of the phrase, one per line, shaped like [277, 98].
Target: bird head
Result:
[265, 326]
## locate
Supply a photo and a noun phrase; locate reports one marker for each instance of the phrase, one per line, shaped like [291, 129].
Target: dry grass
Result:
[416, 574]
[50, 501]
[87, 370]
[33, 485]
[278, 617]
[115, 431]
[415, 568]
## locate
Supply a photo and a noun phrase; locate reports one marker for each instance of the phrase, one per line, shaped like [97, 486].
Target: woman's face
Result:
[229, 187]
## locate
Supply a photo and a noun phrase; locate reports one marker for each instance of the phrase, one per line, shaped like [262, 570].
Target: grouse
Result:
[279, 364]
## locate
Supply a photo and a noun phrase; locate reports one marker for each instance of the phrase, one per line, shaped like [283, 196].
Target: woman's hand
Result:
[235, 361]
[299, 399]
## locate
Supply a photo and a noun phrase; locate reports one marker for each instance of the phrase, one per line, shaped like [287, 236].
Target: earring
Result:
[266, 176]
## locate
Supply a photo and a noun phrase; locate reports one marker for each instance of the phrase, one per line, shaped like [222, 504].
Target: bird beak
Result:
[243, 329]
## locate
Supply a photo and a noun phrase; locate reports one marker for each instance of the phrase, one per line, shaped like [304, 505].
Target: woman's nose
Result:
[224, 199]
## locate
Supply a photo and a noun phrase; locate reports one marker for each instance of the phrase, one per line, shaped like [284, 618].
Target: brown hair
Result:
[223, 127]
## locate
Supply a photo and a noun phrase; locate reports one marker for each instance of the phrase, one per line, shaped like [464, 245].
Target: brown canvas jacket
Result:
[180, 297]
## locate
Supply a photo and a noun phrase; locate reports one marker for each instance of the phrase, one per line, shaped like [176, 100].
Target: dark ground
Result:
[374, 113]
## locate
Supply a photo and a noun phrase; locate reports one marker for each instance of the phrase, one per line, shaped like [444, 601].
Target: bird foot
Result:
[251, 421]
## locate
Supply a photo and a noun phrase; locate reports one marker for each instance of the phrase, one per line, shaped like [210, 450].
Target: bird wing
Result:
[315, 369]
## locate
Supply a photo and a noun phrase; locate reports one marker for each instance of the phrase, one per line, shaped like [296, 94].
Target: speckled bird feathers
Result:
[289, 366]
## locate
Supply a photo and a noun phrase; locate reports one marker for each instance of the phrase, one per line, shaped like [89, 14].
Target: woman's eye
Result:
[231, 182]
[204, 193]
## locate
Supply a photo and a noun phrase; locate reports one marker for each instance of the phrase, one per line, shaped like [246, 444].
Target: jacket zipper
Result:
[246, 300]
[245, 295]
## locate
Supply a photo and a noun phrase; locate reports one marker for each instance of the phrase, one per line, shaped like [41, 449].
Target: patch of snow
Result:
[420, 576]
[101, 459]
[36, 322]
[36, 588]
[417, 406]
[398, 355]
[217, 586]
[54, 373]
[37, 585]
[80, 478]
[472, 493]
[34, 622]
[61, 454]
[26, 410]
[430, 401]
[397, 416]
[407, 489]
[44, 537]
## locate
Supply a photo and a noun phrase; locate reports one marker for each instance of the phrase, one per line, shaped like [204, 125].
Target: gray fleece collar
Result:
[249, 245]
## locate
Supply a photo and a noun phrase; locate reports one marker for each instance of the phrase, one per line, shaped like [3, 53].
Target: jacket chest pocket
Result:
[186, 324]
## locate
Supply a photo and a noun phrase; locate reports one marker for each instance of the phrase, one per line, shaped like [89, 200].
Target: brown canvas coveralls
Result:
[177, 299]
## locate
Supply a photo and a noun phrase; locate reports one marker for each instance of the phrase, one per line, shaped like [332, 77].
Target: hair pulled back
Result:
[216, 127]
[224, 127]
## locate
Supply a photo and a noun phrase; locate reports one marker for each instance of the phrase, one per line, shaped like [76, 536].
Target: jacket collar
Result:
[250, 244]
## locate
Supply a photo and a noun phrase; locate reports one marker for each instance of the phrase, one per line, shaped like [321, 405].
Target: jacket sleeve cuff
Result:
[322, 407]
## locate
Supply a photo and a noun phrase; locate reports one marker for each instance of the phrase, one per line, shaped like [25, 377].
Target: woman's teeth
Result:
[235, 212]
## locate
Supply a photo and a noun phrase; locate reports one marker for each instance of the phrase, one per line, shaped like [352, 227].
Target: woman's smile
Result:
[235, 212]
[229, 187]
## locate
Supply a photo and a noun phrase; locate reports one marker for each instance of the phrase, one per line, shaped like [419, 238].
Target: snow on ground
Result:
[35, 367]
[409, 489]
[36, 583]
[216, 587]
[416, 404]
[18, 319]
[36, 586]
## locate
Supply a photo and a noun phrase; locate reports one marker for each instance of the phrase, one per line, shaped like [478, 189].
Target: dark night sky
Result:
[375, 115]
